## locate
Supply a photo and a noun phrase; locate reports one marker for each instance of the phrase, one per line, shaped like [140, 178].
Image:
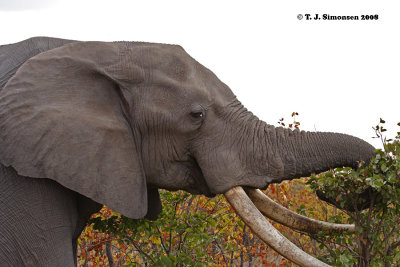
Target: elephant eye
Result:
[197, 114]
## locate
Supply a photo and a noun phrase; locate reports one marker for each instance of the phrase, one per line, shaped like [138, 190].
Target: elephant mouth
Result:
[198, 183]
[252, 205]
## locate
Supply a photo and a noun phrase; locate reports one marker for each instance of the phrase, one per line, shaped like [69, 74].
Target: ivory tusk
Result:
[242, 204]
[282, 215]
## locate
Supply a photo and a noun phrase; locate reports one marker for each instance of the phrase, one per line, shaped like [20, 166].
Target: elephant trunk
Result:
[293, 154]
[249, 152]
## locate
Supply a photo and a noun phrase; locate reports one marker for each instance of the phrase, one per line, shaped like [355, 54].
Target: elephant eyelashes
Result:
[197, 114]
[197, 117]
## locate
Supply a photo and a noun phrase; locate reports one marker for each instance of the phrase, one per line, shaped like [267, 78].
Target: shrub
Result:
[372, 193]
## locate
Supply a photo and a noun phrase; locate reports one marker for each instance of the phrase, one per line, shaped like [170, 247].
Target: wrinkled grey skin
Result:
[111, 123]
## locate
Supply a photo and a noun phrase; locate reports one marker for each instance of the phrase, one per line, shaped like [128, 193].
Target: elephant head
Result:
[116, 121]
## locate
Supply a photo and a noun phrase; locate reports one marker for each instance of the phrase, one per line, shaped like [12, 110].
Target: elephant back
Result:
[12, 56]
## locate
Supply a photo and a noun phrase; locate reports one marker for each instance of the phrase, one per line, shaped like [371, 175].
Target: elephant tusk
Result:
[284, 216]
[242, 204]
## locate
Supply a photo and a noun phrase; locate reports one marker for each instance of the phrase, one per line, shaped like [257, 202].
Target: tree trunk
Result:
[109, 253]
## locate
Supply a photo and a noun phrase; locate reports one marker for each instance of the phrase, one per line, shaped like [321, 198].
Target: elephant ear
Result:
[63, 117]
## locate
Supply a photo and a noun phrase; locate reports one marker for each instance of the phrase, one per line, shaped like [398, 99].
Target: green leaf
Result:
[165, 260]
[384, 168]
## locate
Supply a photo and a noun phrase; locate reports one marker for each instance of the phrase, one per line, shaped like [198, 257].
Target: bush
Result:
[372, 194]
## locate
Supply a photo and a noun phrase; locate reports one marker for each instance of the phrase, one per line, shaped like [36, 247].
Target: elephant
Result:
[86, 124]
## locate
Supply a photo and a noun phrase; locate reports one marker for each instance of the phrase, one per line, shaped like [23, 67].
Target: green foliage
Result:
[375, 186]
[191, 231]
[187, 228]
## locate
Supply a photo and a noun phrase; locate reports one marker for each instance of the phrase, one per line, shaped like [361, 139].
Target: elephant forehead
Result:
[173, 73]
[196, 90]
[171, 60]
[175, 66]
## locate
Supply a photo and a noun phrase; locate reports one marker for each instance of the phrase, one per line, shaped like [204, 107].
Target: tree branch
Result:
[138, 248]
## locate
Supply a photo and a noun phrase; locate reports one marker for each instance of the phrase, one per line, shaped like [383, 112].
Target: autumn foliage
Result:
[197, 231]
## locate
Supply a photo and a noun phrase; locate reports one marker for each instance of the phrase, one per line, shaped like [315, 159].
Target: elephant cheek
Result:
[222, 170]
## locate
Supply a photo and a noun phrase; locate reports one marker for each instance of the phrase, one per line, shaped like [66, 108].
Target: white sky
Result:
[341, 76]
